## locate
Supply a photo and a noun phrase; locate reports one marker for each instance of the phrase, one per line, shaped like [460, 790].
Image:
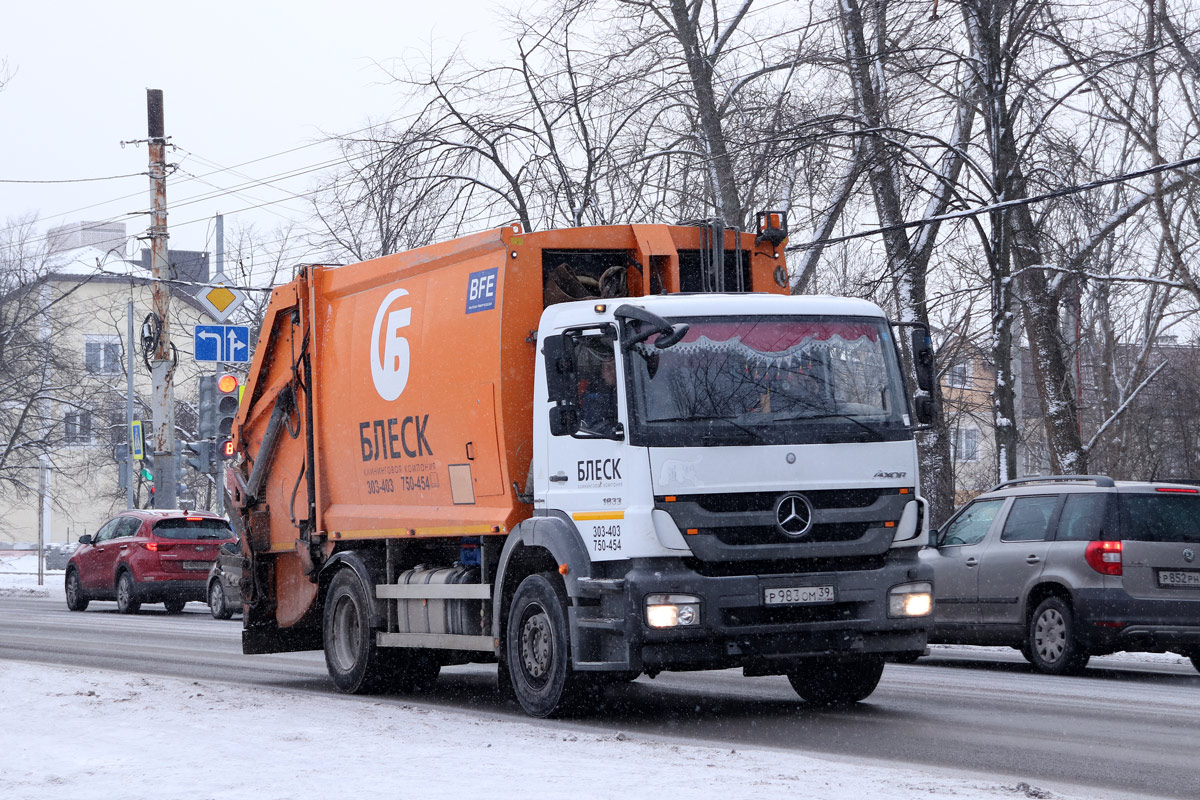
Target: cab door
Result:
[589, 469]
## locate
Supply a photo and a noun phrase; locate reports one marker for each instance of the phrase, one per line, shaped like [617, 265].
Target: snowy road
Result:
[1127, 725]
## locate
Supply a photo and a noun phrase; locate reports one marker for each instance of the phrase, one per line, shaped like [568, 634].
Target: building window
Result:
[78, 427]
[102, 355]
[959, 375]
[966, 444]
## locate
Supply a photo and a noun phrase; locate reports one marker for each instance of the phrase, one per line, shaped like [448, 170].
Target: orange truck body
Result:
[449, 458]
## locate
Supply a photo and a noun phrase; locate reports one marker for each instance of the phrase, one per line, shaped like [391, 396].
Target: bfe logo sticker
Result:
[389, 356]
[481, 290]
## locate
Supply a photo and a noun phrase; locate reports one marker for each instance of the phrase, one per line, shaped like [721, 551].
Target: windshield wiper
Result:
[752, 434]
[875, 432]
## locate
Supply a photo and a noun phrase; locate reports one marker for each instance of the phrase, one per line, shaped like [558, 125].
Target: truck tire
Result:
[127, 602]
[76, 599]
[350, 651]
[835, 682]
[356, 664]
[174, 606]
[537, 647]
[1053, 645]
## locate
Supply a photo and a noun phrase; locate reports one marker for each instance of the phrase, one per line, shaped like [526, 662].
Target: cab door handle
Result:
[1032, 559]
[559, 478]
[971, 562]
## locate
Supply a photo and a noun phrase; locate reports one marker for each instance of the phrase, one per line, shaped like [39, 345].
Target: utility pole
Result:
[218, 479]
[162, 359]
[43, 516]
[129, 462]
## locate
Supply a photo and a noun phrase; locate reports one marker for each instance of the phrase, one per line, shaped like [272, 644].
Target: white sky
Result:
[241, 80]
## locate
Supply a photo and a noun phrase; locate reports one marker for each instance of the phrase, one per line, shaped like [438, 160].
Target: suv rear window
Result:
[1160, 517]
[193, 529]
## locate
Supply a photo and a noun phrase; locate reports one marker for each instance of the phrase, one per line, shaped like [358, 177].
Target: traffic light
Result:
[206, 424]
[183, 492]
[147, 476]
[227, 405]
[199, 456]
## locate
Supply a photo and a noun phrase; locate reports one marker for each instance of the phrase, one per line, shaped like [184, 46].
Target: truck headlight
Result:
[672, 610]
[910, 600]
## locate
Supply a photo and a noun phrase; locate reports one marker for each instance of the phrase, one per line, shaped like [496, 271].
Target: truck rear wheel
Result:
[356, 664]
[350, 651]
[537, 647]
[833, 682]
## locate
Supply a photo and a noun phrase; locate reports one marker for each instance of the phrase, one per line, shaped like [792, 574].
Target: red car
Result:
[147, 556]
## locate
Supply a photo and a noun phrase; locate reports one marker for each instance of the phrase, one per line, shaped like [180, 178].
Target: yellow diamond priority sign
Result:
[219, 300]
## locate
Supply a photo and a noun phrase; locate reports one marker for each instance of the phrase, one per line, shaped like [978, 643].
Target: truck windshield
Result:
[769, 380]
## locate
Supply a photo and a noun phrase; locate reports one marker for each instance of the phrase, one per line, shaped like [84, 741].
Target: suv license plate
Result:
[1179, 577]
[197, 564]
[799, 595]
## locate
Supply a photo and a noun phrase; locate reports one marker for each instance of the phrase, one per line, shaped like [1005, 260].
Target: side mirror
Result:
[923, 408]
[922, 350]
[85, 539]
[564, 420]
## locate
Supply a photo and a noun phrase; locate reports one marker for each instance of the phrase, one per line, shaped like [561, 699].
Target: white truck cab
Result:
[742, 471]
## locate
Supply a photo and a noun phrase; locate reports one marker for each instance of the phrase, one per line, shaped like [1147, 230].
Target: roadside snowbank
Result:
[18, 577]
[69, 734]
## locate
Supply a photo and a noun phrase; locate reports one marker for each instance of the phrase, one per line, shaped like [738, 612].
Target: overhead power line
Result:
[76, 180]
[1024, 201]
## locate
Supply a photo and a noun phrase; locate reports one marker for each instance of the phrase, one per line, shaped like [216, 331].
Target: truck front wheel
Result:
[537, 646]
[833, 682]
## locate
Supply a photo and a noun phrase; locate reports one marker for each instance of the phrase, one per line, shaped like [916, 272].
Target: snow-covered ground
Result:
[18, 576]
[69, 733]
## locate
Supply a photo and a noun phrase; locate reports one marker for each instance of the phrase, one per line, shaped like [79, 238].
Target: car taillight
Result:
[156, 547]
[1104, 557]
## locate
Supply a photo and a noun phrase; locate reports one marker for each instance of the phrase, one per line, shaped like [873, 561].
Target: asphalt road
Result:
[1129, 728]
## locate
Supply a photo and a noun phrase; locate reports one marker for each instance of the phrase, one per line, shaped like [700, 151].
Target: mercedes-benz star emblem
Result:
[793, 514]
[1188, 555]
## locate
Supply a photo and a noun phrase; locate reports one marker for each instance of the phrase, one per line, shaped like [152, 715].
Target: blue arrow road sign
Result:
[228, 344]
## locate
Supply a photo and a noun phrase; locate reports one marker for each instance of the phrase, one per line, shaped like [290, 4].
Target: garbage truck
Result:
[585, 455]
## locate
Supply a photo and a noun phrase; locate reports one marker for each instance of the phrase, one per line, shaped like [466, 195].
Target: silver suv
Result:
[1067, 567]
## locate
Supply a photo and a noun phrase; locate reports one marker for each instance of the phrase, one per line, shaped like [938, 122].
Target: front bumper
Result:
[736, 628]
[1111, 620]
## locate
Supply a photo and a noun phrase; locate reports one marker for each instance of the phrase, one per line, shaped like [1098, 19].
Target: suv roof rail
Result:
[1103, 481]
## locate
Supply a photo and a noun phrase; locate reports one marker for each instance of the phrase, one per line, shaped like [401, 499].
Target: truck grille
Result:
[783, 566]
[743, 502]
[769, 534]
